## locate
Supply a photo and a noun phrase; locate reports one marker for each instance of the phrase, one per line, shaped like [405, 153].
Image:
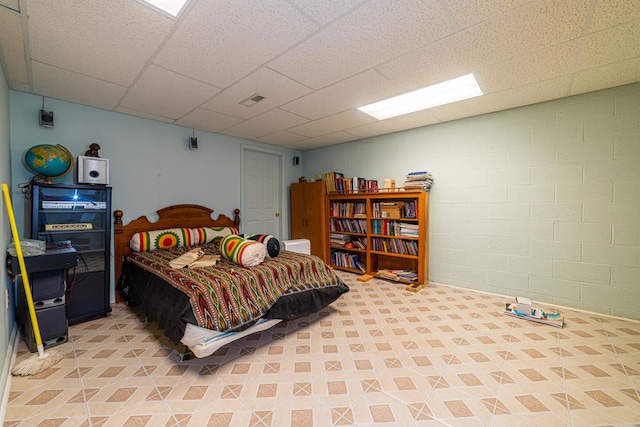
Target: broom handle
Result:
[23, 270]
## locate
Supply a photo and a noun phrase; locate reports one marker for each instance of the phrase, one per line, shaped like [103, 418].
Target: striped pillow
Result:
[204, 235]
[162, 239]
[272, 244]
[246, 253]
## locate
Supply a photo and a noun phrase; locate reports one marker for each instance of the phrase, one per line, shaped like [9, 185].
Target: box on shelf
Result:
[391, 210]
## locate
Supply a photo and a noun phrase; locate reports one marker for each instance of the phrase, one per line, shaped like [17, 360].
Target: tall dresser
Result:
[309, 216]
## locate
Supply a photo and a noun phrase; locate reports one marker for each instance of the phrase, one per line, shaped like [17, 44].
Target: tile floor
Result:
[378, 356]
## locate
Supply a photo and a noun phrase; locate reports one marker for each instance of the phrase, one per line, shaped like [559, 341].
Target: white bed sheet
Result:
[204, 342]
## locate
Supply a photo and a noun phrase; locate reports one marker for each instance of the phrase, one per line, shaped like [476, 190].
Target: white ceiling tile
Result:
[142, 114]
[326, 11]
[178, 95]
[282, 138]
[373, 33]
[594, 50]
[220, 45]
[10, 4]
[332, 124]
[525, 95]
[610, 13]
[324, 140]
[454, 56]
[276, 89]
[467, 13]
[268, 123]
[543, 23]
[207, 120]
[395, 124]
[356, 91]
[110, 40]
[61, 84]
[610, 75]
[12, 48]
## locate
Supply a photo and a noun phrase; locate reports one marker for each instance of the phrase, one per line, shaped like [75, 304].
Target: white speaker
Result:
[93, 170]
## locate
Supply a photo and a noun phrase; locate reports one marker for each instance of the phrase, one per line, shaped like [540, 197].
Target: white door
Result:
[261, 193]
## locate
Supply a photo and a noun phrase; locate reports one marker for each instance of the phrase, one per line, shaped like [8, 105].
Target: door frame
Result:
[280, 178]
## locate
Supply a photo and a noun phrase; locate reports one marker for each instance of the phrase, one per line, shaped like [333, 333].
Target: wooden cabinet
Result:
[309, 215]
[373, 232]
[78, 216]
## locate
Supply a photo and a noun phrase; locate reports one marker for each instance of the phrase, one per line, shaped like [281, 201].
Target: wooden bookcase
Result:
[379, 239]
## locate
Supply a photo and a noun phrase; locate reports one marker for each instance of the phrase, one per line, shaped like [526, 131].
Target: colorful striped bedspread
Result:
[228, 296]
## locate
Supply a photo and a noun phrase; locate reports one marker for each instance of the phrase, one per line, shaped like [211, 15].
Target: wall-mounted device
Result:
[46, 118]
[193, 141]
[93, 170]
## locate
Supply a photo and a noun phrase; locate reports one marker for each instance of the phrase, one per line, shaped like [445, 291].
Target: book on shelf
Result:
[336, 182]
[347, 260]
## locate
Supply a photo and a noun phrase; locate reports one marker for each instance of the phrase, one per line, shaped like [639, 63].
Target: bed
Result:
[205, 308]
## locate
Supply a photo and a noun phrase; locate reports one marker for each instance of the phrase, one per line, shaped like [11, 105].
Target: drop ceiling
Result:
[314, 61]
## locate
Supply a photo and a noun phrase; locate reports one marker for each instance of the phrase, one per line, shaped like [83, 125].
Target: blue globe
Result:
[50, 161]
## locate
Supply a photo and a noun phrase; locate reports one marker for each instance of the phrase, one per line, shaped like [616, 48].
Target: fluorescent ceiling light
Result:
[172, 7]
[431, 96]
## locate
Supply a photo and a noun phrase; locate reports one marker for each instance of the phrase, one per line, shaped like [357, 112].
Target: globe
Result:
[49, 161]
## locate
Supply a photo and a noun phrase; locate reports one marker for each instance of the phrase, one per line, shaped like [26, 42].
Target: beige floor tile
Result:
[378, 356]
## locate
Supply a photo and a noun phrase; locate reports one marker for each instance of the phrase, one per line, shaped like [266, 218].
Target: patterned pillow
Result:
[162, 239]
[204, 235]
[272, 244]
[246, 253]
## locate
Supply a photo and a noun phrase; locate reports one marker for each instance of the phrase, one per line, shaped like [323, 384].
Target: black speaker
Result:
[193, 143]
[52, 322]
[46, 118]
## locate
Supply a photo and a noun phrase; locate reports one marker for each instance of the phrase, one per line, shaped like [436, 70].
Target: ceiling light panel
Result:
[172, 7]
[454, 90]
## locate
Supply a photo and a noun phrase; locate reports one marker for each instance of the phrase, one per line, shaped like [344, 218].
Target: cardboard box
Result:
[391, 211]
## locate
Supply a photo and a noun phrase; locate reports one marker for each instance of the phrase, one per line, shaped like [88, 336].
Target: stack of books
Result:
[338, 239]
[408, 229]
[405, 276]
[421, 180]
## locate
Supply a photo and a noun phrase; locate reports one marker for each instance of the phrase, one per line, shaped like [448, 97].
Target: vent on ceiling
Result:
[252, 100]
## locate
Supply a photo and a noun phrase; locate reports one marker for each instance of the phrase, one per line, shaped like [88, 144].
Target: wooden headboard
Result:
[190, 216]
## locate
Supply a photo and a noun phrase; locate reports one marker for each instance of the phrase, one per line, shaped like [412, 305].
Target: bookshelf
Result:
[379, 233]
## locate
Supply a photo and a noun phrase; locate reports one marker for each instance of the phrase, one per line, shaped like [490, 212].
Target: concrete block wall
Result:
[541, 201]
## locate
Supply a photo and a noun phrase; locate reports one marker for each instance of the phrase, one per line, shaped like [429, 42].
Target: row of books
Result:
[396, 246]
[394, 228]
[348, 260]
[356, 210]
[407, 276]
[338, 183]
[348, 225]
